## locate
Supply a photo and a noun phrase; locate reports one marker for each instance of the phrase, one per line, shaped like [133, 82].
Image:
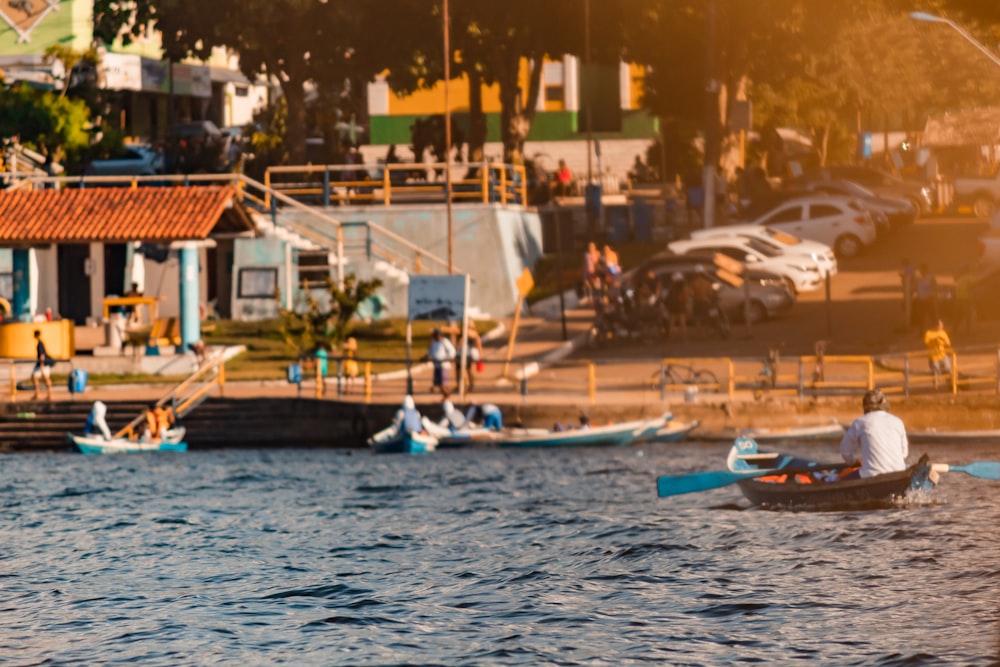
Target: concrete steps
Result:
[217, 423]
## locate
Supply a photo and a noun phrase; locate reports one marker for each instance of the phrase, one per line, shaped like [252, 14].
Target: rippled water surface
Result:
[560, 557]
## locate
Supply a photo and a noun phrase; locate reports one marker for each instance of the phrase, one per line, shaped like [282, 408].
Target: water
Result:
[563, 557]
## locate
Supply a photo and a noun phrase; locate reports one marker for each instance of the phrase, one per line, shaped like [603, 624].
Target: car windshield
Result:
[781, 237]
[763, 248]
[857, 189]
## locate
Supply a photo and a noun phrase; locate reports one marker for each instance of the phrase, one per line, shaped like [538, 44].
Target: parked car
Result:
[980, 192]
[921, 195]
[820, 253]
[196, 148]
[768, 292]
[800, 271]
[134, 160]
[898, 211]
[841, 224]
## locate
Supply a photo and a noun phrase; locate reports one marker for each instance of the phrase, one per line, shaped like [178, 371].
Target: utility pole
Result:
[711, 122]
[447, 138]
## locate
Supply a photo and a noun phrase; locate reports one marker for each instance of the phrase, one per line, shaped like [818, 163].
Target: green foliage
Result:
[46, 121]
[311, 324]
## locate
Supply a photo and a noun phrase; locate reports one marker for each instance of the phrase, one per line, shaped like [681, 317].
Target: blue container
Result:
[294, 373]
[77, 381]
[617, 218]
[642, 220]
[321, 357]
[592, 200]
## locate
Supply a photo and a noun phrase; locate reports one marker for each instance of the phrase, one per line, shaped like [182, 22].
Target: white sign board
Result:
[438, 298]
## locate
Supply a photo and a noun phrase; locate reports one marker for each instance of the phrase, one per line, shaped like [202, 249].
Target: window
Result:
[241, 91]
[314, 268]
[7, 285]
[790, 214]
[258, 283]
[823, 211]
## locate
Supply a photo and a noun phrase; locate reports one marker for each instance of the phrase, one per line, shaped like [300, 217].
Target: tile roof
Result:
[154, 214]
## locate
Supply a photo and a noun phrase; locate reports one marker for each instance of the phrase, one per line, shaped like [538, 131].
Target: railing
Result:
[670, 379]
[390, 184]
[186, 396]
[13, 382]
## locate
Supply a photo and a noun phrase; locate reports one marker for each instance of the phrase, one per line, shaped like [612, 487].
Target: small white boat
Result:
[393, 440]
[673, 431]
[620, 435]
[173, 441]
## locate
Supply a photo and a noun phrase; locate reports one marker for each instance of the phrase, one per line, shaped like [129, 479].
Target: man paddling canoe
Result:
[876, 440]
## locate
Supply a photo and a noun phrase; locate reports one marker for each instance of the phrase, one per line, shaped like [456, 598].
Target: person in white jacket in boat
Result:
[488, 414]
[876, 440]
[408, 418]
[453, 420]
[96, 422]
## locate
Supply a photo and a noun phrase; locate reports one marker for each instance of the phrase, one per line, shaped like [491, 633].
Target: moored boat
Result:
[394, 440]
[173, 441]
[673, 431]
[615, 435]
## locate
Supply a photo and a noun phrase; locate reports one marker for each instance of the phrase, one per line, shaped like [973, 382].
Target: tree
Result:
[44, 120]
[313, 325]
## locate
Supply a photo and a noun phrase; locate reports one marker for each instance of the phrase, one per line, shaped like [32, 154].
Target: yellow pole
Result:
[732, 379]
[368, 382]
[954, 373]
[513, 336]
[267, 189]
[386, 185]
[503, 185]
[319, 380]
[871, 374]
[222, 377]
[592, 382]
[485, 186]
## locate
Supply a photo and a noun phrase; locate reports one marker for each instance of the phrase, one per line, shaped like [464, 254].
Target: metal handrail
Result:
[183, 405]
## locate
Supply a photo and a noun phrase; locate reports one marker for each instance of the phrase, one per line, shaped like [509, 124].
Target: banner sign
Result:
[439, 298]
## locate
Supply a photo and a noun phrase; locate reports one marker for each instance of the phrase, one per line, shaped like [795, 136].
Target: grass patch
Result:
[267, 355]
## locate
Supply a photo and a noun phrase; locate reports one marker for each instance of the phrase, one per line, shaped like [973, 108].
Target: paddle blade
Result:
[675, 485]
[981, 469]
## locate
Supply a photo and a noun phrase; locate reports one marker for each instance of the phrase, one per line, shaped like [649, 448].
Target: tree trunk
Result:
[515, 119]
[295, 135]
[477, 119]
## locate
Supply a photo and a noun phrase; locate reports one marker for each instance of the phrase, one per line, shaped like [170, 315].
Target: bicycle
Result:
[680, 374]
[767, 379]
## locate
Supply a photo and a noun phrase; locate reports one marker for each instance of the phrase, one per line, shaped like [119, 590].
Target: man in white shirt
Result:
[877, 440]
[441, 352]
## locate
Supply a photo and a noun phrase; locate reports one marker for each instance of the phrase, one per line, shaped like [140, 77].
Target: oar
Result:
[982, 469]
[675, 485]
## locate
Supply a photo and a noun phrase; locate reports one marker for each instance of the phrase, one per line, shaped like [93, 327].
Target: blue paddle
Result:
[675, 485]
[981, 469]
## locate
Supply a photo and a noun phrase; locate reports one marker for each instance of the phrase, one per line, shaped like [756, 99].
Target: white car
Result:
[839, 223]
[800, 271]
[820, 253]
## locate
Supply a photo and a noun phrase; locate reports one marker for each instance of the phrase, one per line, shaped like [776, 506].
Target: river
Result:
[491, 557]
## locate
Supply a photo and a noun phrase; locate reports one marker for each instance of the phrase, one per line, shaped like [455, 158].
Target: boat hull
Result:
[673, 431]
[403, 443]
[795, 483]
[612, 435]
[97, 445]
[881, 490]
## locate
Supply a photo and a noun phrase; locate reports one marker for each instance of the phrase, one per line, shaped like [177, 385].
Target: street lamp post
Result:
[447, 138]
[931, 18]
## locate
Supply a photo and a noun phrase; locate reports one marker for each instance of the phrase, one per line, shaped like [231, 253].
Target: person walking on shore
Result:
[937, 342]
[441, 352]
[43, 368]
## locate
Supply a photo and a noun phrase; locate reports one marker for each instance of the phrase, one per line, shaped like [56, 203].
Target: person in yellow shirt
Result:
[937, 342]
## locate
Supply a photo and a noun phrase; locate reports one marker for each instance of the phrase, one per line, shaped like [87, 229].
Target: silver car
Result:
[134, 161]
[768, 292]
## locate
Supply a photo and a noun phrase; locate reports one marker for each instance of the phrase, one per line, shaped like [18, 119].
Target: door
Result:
[114, 269]
[789, 218]
[74, 282]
